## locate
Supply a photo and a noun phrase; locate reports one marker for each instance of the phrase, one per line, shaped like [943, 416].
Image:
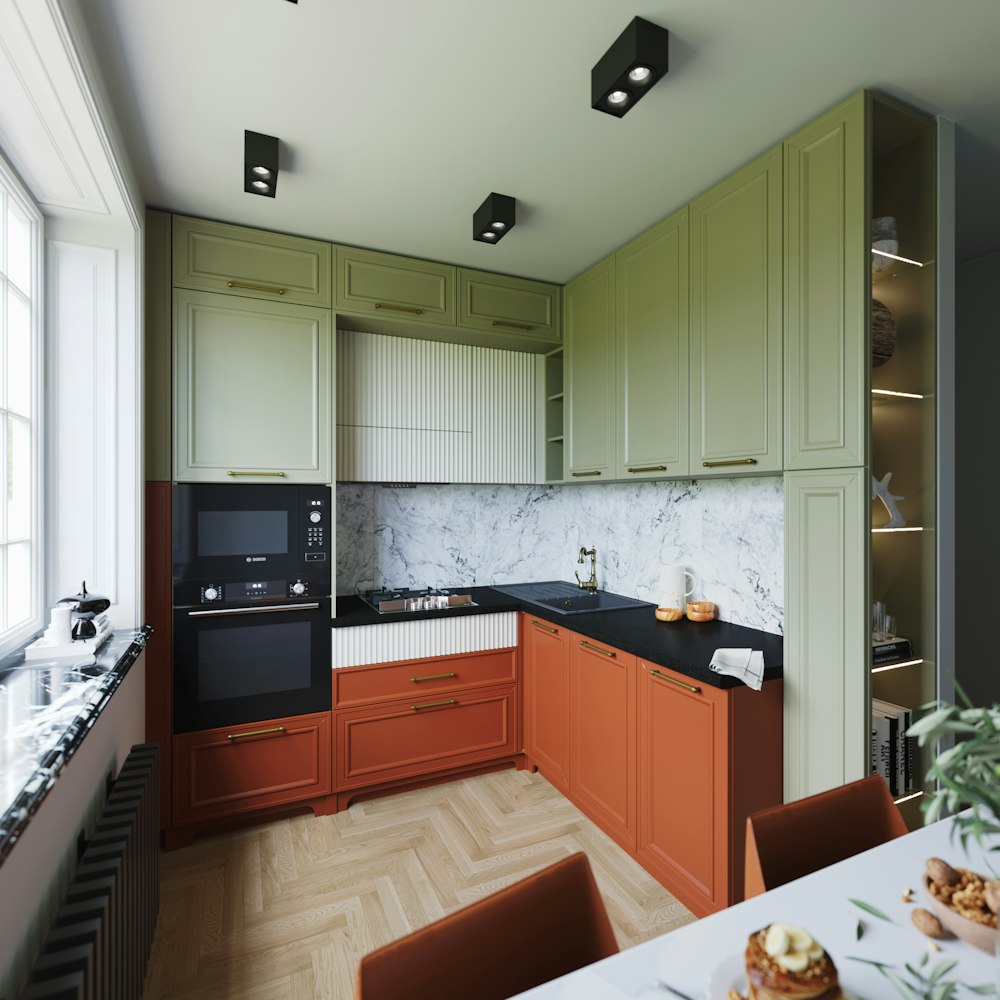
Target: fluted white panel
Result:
[503, 424]
[388, 642]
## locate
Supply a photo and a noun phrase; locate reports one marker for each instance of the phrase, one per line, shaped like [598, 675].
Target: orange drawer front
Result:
[409, 738]
[264, 764]
[418, 678]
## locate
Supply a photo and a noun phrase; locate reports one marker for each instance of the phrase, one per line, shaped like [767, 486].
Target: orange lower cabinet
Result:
[603, 736]
[545, 679]
[222, 772]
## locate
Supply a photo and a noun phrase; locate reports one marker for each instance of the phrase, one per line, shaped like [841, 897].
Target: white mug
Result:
[673, 592]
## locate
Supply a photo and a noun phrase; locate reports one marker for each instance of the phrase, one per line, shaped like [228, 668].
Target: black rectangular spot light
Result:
[493, 219]
[636, 60]
[260, 163]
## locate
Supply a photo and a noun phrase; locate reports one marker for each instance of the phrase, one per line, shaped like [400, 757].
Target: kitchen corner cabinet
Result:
[545, 682]
[651, 287]
[736, 322]
[496, 303]
[589, 302]
[253, 382]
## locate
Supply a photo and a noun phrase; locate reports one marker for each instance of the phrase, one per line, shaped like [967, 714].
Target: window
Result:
[20, 405]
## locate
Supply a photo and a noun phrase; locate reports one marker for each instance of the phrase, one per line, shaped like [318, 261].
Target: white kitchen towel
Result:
[746, 665]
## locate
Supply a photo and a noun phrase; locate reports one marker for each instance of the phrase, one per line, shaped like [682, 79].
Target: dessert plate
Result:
[730, 974]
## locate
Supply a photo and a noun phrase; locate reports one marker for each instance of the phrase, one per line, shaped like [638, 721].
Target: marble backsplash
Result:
[729, 532]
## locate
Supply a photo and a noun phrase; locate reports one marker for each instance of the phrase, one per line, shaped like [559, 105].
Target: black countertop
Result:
[684, 646]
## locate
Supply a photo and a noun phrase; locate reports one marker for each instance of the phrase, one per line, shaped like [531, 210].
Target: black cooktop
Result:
[402, 599]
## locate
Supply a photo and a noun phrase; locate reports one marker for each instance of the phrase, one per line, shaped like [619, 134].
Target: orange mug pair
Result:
[697, 611]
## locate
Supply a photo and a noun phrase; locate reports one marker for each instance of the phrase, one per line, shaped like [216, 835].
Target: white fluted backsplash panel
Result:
[391, 641]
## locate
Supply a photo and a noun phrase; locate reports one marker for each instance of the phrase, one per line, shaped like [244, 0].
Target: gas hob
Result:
[426, 599]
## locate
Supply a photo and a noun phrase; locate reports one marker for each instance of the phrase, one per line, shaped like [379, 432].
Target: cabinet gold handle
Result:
[673, 680]
[256, 732]
[512, 326]
[578, 474]
[399, 309]
[433, 704]
[731, 461]
[547, 628]
[597, 649]
[255, 288]
[242, 472]
[432, 677]
[647, 468]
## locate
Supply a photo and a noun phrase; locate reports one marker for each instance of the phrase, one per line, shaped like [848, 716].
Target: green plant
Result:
[930, 985]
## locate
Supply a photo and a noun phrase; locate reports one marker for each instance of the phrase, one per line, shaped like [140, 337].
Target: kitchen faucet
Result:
[590, 584]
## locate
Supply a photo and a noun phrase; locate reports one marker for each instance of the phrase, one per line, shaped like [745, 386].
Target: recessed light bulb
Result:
[488, 235]
[640, 74]
[260, 185]
[617, 97]
[262, 171]
[499, 225]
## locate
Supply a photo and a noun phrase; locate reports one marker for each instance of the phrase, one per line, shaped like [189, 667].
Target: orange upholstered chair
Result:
[789, 841]
[538, 929]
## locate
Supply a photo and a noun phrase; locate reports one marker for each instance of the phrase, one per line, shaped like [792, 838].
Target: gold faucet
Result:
[591, 584]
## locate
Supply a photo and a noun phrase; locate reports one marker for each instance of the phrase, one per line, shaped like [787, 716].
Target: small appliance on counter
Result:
[395, 601]
[78, 627]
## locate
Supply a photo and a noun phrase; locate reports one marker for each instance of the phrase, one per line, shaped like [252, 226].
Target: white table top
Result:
[687, 957]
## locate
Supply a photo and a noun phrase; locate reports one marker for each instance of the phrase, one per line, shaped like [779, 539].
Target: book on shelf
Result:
[891, 650]
[892, 749]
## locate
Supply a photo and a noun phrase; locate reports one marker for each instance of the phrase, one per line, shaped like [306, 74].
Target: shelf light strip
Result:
[883, 530]
[896, 666]
[893, 256]
[906, 798]
[892, 392]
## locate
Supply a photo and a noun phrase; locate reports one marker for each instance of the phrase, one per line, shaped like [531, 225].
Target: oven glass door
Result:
[248, 664]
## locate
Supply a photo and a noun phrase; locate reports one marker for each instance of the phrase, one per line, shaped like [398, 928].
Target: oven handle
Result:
[252, 611]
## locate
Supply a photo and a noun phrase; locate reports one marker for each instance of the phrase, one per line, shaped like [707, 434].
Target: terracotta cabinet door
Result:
[603, 736]
[546, 698]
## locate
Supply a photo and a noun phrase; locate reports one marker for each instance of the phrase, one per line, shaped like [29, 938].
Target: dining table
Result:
[704, 959]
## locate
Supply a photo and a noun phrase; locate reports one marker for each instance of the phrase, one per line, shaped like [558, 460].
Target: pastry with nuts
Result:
[786, 963]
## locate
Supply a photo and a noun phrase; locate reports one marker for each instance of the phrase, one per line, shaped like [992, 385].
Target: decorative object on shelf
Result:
[883, 333]
[669, 614]
[260, 164]
[635, 61]
[880, 489]
[494, 218]
[885, 237]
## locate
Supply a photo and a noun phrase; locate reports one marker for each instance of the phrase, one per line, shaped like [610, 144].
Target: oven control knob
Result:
[315, 517]
[298, 588]
[211, 594]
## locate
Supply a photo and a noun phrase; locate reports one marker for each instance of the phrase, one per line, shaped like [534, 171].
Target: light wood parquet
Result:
[287, 909]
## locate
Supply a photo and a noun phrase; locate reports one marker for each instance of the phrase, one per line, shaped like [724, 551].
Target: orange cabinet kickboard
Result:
[417, 678]
[264, 764]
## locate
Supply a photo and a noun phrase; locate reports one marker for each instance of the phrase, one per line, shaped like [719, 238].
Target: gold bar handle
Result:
[673, 680]
[732, 461]
[248, 472]
[578, 474]
[399, 309]
[256, 732]
[255, 288]
[647, 468]
[433, 677]
[597, 649]
[546, 628]
[512, 326]
[433, 704]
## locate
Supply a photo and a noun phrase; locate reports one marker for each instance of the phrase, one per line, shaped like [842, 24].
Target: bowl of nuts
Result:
[963, 901]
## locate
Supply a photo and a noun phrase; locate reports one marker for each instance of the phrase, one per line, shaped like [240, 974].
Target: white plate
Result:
[730, 974]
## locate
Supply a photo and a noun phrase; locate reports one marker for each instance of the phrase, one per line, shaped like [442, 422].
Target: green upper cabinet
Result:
[253, 383]
[500, 304]
[252, 263]
[652, 343]
[400, 288]
[826, 266]
[589, 373]
[735, 307]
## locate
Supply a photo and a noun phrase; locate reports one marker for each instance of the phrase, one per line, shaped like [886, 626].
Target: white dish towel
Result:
[746, 665]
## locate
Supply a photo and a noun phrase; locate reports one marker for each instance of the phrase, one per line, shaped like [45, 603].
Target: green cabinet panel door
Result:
[251, 263]
[501, 304]
[253, 383]
[399, 288]
[589, 374]
[826, 314]
[652, 343]
[735, 306]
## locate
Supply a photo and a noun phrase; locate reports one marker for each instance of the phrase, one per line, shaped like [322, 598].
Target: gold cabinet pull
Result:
[673, 680]
[255, 288]
[597, 649]
[433, 704]
[512, 326]
[647, 468]
[546, 628]
[399, 309]
[433, 677]
[250, 472]
[578, 474]
[256, 732]
[731, 461]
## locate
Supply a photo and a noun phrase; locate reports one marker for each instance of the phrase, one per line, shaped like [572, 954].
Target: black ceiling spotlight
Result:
[636, 60]
[493, 219]
[260, 163]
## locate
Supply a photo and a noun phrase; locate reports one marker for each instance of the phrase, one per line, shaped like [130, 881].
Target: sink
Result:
[568, 599]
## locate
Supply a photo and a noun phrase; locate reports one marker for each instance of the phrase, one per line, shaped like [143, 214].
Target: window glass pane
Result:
[18, 478]
[18, 248]
[18, 353]
[18, 584]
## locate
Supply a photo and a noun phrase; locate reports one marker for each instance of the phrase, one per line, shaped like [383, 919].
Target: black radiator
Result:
[98, 945]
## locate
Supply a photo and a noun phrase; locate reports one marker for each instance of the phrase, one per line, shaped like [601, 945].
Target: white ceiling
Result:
[397, 117]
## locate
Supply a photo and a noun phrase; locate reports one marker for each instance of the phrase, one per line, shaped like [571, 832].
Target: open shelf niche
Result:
[554, 409]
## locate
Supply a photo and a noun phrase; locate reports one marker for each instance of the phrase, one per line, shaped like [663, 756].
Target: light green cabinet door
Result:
[826, 268]
[736, 322]
[252, 390]
[398, 288]
[652, 341]
[497, 303]
[252, 263]
[590, 373]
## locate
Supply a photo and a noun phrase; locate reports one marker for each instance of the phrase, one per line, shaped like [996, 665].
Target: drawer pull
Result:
[647, 468]
[255, 288]
[597, 649]
[256, 732]
[433, 677]
[579, 474]
[240, 472]
[399, 309]
[546, 628]
[731, 461]
[512, 326]
[433, 704]
[673, 680]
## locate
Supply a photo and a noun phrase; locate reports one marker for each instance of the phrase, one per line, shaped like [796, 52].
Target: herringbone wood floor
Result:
[287, 909]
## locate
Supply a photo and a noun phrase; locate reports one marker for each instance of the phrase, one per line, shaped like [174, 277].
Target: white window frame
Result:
[14, 637]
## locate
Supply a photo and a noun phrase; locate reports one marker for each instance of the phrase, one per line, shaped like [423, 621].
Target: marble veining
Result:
[729, 532]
